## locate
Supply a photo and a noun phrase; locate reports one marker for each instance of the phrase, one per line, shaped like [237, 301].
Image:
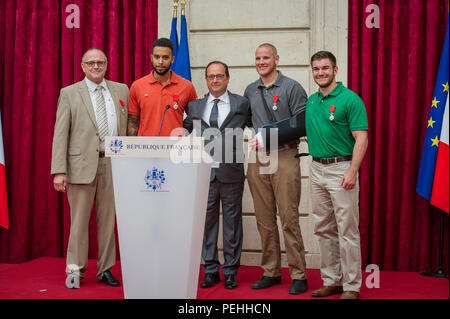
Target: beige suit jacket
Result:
[75, 141]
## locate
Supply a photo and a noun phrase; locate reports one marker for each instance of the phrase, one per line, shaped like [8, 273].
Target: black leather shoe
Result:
[210, 280]
[298, 287]
[109, 279]
[266, 282]
[230, 281]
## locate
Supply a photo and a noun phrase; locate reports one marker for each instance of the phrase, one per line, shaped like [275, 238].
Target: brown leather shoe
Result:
[326, 291]
[350, 295]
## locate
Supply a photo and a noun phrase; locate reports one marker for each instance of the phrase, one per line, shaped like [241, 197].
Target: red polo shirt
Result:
[148, 100]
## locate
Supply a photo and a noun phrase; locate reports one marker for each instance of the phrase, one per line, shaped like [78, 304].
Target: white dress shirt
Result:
[110, 108]
[223, 107]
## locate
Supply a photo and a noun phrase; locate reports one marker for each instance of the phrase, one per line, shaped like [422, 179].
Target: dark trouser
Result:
[231, 196]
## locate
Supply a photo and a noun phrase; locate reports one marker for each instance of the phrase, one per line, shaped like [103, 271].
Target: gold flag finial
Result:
[175, 8]
[183, 7]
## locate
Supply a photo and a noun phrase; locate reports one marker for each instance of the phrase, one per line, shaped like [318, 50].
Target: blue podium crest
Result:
[116, 146]
[154, 179]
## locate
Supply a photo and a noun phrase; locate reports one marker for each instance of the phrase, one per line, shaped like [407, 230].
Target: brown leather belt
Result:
[101, 154]
[332, 160]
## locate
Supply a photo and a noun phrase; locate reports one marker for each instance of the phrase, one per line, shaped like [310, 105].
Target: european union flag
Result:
[182, 63]
[434, 142]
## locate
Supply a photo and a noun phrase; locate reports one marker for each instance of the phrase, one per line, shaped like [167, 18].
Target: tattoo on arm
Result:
[133, 125]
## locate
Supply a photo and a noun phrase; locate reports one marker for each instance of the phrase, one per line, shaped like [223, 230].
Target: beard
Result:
[164, 71]
[325, 85]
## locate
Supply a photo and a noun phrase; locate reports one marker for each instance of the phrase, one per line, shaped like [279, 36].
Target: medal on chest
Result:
[332, 109]
[275, 100]
[175, 101]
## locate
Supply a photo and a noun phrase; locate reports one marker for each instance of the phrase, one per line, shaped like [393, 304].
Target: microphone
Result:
[162, 119]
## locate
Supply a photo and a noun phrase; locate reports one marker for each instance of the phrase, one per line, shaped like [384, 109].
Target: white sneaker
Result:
[73, 281]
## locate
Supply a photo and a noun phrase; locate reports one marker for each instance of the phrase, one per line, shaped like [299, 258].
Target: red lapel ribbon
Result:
[275, 98]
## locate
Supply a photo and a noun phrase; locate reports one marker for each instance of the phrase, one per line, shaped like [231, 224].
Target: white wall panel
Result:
[248, 14]
[238, 48]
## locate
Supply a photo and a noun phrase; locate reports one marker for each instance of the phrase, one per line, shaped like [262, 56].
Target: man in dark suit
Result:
[88, 111]
[220, 117]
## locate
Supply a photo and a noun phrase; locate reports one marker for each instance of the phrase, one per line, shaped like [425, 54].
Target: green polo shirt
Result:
[332, 138]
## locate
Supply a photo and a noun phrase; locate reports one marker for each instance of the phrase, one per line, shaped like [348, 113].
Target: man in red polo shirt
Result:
[160, 91]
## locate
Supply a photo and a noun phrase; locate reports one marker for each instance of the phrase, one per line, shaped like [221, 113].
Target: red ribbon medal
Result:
[175, 101]
[275, 100]
[332, 109]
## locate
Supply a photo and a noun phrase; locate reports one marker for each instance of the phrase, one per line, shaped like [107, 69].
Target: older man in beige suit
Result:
[88, 111]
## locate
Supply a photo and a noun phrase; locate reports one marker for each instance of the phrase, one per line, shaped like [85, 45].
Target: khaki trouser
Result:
[281, 189]
[336, 215]
[81, 199]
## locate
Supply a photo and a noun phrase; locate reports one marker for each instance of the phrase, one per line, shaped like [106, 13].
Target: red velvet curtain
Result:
[394, 68]
[40, 52]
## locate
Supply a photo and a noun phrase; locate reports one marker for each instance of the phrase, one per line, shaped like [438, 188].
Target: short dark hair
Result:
[163, 42]
[324, 55]
[217, 62]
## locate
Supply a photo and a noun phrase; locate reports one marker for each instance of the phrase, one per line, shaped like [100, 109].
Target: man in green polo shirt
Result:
[336, 128]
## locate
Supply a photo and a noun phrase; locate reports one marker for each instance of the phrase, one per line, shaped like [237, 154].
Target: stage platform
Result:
[44, 278]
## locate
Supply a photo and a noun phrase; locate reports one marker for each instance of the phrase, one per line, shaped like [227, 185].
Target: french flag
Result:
[4, 219]
[439, 193]
[433, 181]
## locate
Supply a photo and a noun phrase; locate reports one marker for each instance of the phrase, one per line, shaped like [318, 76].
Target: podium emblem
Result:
[154, 179]
[116, 146]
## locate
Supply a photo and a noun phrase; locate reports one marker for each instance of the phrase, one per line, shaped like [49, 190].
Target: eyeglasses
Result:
[92, 63]
[211, 77]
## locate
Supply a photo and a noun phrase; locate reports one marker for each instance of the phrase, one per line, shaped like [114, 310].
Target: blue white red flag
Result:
[433, 181]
